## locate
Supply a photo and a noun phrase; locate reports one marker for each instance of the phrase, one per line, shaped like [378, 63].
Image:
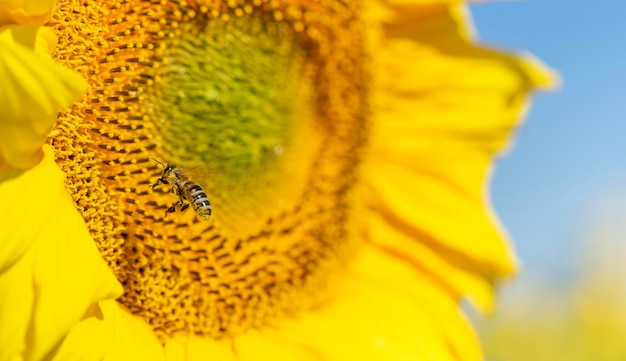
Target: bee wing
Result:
[204, 173]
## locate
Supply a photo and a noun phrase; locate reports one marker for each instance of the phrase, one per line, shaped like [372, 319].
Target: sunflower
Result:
[344, 147]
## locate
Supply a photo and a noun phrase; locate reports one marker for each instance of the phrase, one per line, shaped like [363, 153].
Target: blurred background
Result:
[561, 191]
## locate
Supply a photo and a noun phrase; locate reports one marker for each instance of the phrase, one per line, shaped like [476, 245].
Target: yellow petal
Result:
[414, 298]
[114, 333]
[462, 278]
[34, 89]
[25, 213]
[427, 21]
[89, 339]
[447, 27]
[442, 224]
[36, 12]
[46, 251]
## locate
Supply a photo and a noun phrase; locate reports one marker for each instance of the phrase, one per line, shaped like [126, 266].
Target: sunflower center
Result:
[251, 103]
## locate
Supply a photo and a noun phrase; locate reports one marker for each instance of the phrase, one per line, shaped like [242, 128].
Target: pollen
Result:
[262, 103]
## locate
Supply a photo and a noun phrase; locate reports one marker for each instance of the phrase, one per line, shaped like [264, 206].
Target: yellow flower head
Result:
[284, 179]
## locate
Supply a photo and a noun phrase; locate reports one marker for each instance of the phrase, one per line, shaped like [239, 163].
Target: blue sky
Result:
[572, 149]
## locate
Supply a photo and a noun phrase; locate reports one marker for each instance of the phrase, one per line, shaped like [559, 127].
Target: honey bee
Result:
[188, 192]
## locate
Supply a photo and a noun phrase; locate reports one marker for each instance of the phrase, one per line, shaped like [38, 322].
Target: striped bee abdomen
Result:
[198, 199]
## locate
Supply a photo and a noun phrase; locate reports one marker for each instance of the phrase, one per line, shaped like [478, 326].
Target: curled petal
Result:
[34, 89]
[23, 12]
[40, 39]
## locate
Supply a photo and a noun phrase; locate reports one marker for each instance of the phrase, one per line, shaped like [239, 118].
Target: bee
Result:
[188, 192]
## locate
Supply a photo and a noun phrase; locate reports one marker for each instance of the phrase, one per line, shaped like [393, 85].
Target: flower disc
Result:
[262, 104]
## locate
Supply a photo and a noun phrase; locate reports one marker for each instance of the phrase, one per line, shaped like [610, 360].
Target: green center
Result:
[226, 98]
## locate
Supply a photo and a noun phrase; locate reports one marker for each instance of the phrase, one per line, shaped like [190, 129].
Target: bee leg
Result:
[181, 201]
[172, 209]
[159, 181]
